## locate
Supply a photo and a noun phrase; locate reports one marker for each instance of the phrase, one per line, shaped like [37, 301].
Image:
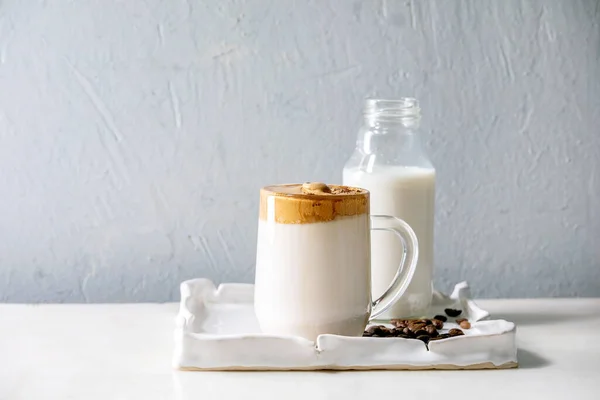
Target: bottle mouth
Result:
[385, 109]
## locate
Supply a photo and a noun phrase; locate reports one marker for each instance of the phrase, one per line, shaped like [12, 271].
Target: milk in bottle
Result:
[390, 163]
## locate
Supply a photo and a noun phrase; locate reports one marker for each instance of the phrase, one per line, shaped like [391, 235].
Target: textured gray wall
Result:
[134, 135]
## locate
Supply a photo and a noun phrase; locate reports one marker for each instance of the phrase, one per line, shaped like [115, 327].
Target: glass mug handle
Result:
[407, 266]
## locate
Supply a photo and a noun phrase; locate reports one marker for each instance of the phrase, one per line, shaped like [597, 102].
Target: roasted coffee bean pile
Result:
[423, 329]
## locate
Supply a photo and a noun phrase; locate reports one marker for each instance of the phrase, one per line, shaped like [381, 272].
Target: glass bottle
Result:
[390, 162]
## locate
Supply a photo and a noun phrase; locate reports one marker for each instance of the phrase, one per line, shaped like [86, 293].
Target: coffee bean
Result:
[372, 329]
[437, 323]
[451, 312]
[408, 332]
[431, 330]
[396, 332]
[464, 323]
[385, 332]
[441, 318]
[421, 332]
[398, 322]
[423, 338]
[379, 330]
[455, 332]
[415, 326]
[440, 337]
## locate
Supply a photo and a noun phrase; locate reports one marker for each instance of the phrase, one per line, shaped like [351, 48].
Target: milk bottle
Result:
[390, 163]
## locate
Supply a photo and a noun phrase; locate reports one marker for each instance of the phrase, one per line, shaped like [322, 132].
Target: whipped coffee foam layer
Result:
[311, 202]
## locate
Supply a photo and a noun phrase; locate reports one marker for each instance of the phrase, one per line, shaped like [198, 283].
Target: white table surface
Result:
[124, 352]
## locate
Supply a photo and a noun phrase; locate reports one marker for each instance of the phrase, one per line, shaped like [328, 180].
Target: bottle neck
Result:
[388, 139]
[400, 126]
[390, 134]
[401, 116]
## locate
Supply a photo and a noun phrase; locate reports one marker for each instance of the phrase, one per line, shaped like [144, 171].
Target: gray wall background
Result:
[134, 135]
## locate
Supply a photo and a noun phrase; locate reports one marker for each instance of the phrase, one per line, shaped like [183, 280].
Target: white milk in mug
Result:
[313, 262]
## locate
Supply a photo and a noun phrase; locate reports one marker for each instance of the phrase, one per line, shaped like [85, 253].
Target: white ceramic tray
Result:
[216, 329]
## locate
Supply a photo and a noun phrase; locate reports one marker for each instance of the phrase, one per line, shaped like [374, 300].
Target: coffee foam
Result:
[311, 202]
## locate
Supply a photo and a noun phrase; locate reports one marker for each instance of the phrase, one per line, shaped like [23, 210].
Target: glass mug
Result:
[313, 262]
